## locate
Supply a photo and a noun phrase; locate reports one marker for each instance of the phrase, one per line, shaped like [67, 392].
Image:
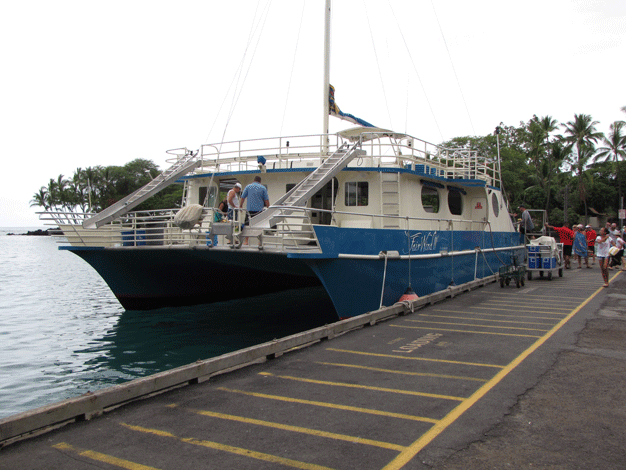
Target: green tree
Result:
[581, 133]
[614, 151]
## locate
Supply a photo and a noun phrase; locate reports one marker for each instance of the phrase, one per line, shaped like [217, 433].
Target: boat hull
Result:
[145, 279]
[363, 266]
[357, 267]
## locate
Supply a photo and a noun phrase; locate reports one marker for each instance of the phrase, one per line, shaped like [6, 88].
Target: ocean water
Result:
[63, 333]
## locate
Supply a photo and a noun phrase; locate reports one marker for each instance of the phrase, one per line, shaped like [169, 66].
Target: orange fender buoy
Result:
[409, 294]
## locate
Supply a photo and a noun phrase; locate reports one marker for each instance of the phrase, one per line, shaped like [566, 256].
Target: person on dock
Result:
[566, 236]
[591, 235]
[603, 242]
[580, 246]
[617, 259]
[613, 231]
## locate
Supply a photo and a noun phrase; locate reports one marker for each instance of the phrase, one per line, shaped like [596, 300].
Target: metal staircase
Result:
[302, 192]
[183, 165]
[390, 198]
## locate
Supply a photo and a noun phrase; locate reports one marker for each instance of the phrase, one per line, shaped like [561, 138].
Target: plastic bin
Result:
[134, 238]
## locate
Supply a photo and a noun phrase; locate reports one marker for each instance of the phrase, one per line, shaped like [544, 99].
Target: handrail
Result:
[402, 152]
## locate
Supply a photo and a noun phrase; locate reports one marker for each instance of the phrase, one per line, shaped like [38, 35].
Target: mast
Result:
[326, 75]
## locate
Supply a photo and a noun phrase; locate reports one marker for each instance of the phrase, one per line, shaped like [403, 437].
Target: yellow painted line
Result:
[363, 353]
[480, 326]
[521, 294]
[109, 459]
[493, 314]
[331, 405]
[389, 371]
[364, 387]
[466, 331]
[426, 438]
[231, 449]
[485, 319]
[525, 305]
[287, 427]
[526, 310]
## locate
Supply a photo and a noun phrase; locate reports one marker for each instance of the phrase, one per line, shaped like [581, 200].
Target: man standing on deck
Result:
[233, 200]
[257, 197]
[566, 236]
[527, 225]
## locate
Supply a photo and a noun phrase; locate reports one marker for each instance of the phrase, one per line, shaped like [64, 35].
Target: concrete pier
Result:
[381, 391]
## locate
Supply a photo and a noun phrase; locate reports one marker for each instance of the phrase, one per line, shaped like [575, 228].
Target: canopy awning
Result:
[369, 133]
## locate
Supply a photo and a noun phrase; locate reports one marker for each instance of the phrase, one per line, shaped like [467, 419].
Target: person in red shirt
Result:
[566, 236]
[591, 235]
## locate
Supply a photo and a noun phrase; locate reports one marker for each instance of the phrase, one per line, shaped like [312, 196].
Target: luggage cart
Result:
[512, 272]
[540, 259]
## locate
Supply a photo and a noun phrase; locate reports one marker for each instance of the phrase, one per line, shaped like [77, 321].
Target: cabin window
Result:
[430, 199]
[357, 193]
[494, 204]
[289, 187]
[455, 202]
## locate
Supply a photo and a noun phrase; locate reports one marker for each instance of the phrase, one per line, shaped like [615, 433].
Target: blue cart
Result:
[543, 259]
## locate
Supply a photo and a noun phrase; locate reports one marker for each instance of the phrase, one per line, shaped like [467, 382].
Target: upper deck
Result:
[382, 148]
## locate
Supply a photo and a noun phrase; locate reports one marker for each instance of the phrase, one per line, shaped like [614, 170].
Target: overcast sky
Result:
[88, 83]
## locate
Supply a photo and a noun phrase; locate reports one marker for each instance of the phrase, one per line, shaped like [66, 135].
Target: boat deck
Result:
[425, 383]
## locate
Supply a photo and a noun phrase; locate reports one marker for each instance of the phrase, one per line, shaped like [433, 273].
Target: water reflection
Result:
[143, 343]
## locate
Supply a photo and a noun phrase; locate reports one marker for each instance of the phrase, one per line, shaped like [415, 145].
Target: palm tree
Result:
[40, 198]
[614, 150]
[581, 133]
[545, 165]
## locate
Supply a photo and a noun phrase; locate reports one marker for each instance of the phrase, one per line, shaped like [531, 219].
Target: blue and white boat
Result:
[366, 212]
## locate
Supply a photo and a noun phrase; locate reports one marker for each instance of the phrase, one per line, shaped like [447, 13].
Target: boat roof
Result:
[369, 133]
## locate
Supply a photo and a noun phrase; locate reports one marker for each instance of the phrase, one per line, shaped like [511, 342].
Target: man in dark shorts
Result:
[566, 236]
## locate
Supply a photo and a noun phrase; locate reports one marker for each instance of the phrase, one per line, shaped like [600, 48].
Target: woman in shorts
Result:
[603, 243]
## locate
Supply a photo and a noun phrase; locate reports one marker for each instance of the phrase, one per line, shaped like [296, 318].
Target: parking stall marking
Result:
[480, 326]
[364, 387]
[530, 296]
[333, 406]
[99, 457]
[419, 374]
[526, 309]
[522, 303]
[426, 359]
[231, 449]
[517, 322]
[299, 429]
[466, 331]
[493, 314]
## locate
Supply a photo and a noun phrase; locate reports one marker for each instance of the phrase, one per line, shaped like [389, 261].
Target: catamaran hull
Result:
[344, 279]
[145, 279]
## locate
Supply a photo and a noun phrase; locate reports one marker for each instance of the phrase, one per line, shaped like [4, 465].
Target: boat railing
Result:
[393, 150]
[292, 229]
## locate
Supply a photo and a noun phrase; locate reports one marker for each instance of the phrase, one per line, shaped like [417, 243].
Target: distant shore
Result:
[37, 233]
